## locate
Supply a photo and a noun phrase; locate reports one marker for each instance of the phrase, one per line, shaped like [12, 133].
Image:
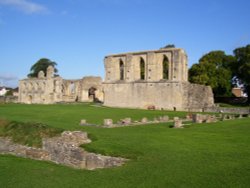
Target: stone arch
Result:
[142, 69]
[165, 67]
[92, 94]
[121, 67]
[30, 99]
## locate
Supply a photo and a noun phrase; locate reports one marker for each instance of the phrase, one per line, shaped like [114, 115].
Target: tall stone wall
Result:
[177, 65]
[161, 95]
[156, 79]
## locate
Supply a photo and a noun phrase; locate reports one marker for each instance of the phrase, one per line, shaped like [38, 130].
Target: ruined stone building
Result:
[149, 79]
[49, 89]
[153, 79]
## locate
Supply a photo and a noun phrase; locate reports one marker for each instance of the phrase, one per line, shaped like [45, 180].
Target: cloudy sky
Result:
[77, 34]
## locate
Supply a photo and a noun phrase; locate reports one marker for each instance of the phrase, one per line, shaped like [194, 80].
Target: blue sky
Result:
[77, 34]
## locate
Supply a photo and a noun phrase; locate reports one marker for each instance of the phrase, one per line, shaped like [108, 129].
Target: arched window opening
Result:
[165, 67]
[72, 87]
[121, 70]
[142, 69]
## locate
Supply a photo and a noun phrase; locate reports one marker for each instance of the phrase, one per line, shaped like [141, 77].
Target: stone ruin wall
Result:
[167, 96]
[50, 89]
[145, 79]
[133, 90]
[64, 149]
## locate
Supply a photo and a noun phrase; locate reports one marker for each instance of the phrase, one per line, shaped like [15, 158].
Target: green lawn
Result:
[203, 155]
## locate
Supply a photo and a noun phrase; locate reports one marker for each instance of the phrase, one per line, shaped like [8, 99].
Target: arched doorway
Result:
[92, 96]
[30, 98]
[165, 68]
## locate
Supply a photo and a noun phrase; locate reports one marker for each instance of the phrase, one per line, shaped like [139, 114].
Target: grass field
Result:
[203, 155]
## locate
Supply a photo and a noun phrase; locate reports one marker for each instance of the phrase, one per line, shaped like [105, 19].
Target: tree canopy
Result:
[168, 46]
[214, 69]
[241, 68]
[41, 65]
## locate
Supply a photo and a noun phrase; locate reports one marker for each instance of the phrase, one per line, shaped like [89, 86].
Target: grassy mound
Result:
[29, 134]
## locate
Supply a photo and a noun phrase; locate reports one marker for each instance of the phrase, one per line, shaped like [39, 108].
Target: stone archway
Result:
[30, 99]
[92, 94]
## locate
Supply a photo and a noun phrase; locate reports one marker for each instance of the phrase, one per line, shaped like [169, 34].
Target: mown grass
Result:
[29, 134]
[203, 155]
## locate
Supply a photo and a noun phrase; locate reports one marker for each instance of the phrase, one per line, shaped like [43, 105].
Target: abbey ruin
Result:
[149, 79]
[50, 89]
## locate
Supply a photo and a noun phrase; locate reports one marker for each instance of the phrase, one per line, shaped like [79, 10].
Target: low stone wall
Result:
[228, 110]
[63, 150]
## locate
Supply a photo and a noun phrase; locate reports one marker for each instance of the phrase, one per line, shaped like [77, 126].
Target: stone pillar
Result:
[41, 74]
[50, 72]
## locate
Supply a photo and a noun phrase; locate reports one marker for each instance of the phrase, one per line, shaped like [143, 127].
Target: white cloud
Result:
[8, 80]
[25, 6]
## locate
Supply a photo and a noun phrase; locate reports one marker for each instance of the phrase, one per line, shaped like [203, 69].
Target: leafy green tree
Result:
[214, 69]
[241, 69]
[9, 93]
[41, 65]
[168, 46]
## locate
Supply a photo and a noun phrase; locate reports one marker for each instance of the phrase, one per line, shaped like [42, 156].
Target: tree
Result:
[9, 93]
[241, 68]
[168, 46]
[214, 69]
[41, 65]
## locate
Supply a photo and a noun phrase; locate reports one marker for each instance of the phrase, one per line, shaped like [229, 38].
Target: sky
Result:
[78, 34]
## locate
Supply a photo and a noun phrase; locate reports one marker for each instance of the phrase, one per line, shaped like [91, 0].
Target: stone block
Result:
[198, 118]
[126, 121]
[210, 119]
[144, 120]
[178, 123]
[108, 122]
[83, 122]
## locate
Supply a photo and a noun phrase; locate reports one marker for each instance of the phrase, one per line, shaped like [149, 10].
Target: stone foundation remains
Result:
[63, 150]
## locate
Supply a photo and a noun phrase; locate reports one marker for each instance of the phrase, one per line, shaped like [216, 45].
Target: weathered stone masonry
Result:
[63, 150]
[50, 89]
[149, 79]
[153, 78]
